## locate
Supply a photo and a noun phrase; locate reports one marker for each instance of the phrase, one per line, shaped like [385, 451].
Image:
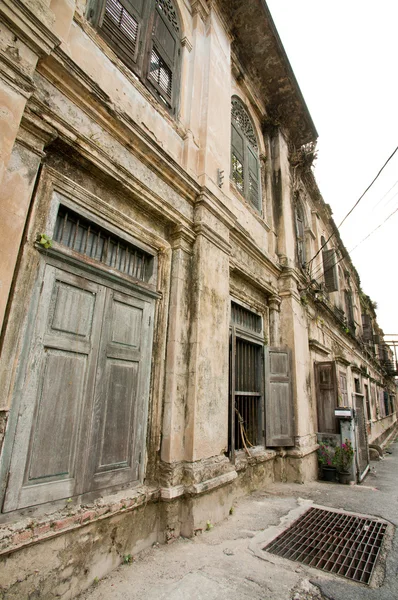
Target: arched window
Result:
[145, 35]
[245, 168]
[299, 218]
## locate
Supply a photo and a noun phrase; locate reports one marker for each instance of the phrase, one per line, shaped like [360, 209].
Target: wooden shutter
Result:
[237, 158]
[326, 396]
[349, 308]
[253, 179]
[279, 409]
[367, 328]
[52, 432]
[330, 270]
[164, 53]
[343, 391]
[122, 387]
[121, 25]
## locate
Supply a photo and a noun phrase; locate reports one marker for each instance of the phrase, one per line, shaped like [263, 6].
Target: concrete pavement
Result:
[228, 561]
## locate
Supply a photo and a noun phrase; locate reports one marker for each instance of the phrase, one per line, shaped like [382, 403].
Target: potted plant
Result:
[344, 456]
[326, 458]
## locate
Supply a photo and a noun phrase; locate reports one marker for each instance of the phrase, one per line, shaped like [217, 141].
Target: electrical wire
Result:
[355, 205]
[319, 269]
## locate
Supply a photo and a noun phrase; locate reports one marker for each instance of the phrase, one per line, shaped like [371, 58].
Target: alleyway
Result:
[227, 561]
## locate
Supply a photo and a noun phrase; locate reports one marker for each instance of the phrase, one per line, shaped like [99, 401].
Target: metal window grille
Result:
[246, 381]
[248, 394]
[245, 318]
[91, 240]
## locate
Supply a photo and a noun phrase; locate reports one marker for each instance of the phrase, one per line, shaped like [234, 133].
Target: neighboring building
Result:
[179, 315]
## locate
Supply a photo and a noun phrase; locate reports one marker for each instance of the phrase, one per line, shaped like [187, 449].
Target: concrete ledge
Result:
[211, 484]
[170, 493]
[26, 532]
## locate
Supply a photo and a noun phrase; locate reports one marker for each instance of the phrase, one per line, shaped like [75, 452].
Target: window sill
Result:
[258, 455]
[258, 215]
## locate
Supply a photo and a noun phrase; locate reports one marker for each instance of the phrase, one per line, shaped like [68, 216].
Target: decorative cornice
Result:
[34, 30]
[318, 347]
[201, 8]
[186, 43]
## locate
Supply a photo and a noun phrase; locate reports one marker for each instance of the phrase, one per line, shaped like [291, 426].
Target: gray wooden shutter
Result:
[349, 308]
[164, 54]
[279, 409]
[367, 328]
[121, 23]
[326, 396]
[343, 391]
[122, 389]
[330, 270]
[51, 435]
[253, 182]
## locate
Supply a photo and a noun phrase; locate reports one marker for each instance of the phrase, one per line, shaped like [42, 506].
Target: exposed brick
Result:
[87, 516]
[22, 536]
[42, 529]
[63, 523]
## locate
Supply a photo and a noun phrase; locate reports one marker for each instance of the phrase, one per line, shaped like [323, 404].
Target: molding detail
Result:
[318, 347]
[186, 43]
[211, 484]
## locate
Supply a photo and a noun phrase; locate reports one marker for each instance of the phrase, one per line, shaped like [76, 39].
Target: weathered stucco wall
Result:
[78, 125]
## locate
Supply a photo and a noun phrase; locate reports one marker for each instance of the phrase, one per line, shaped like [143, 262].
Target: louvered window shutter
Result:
[253, 183]
[237, 158]
[330, 270]
[349, 308]
[326, 397]
[367, 328]
[279, 410]
[121, 24]
[164, 54]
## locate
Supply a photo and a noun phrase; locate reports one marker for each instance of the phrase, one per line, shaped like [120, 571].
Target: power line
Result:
[319, 269]
[355, 205]
[386, 194]
[369, 186]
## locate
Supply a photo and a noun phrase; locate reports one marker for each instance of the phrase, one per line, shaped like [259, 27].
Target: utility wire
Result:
[355, 205]
[386, 194]
[319, 269]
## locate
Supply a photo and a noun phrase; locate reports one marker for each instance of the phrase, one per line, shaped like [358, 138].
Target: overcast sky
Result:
[345, 57]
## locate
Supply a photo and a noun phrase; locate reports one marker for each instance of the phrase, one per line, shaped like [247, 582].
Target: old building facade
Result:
[179, 315]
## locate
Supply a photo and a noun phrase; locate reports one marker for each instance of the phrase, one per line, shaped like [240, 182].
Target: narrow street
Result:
[227, 561]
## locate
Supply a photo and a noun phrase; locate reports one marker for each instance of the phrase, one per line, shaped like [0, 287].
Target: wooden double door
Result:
[82, 395]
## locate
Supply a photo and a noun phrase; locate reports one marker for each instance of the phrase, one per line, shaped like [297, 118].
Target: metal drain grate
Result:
[339, 543]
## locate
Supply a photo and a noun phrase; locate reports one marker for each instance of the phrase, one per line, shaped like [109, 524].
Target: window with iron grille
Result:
[145, 35]
[90, 240]
[246, 412]
[245, 167]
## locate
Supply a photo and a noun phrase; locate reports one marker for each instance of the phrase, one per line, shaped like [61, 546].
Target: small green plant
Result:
[127, 559]
[209, 526]
[44, 240]
[95, 581]
[231, 510]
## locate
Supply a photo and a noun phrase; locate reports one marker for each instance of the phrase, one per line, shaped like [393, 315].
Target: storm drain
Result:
[343, 544]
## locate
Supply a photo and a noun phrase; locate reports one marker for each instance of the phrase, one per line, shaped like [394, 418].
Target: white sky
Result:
[345, 57]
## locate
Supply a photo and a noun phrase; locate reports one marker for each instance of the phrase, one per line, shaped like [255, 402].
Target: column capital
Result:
[274, 303]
